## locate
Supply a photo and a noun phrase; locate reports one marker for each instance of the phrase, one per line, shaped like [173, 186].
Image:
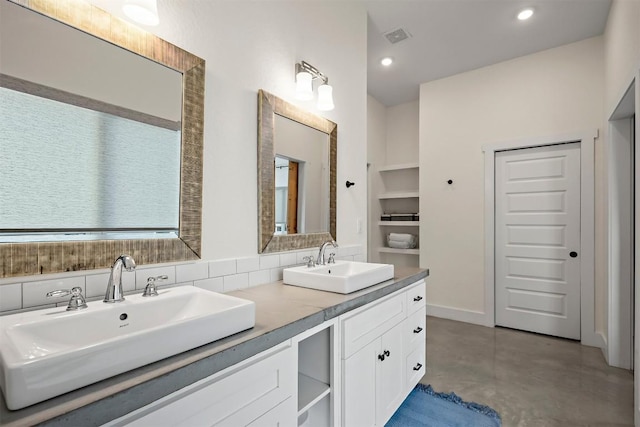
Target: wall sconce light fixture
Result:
[305, 74]
[144, 12]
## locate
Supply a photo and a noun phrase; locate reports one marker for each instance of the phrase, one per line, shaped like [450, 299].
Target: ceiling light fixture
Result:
[386, 61]
[525, 14]
[305, 74]
[144, 12]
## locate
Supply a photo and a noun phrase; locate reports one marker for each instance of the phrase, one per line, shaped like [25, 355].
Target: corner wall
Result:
[552, 92]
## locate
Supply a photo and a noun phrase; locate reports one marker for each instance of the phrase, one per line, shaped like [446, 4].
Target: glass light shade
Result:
[304, 88]
[144, 12]
[525, 14]
[325, 98]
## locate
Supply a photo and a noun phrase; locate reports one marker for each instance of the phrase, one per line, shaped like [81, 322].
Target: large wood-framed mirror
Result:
[314, 221]
[72, 254]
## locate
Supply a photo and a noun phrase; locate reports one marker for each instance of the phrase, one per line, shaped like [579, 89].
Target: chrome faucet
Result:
[114, 287]
[323, 247]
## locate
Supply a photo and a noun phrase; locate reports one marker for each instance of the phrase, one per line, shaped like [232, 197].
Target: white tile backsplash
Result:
[142, 274]
[235, 281]
[11, 297]
[191, 272]
[222, 267]
[288, 258]
[259, 277]
[214, 284]
[276, 274]
[35, 293]
[219, 276]
[248, 264]
[269, 261]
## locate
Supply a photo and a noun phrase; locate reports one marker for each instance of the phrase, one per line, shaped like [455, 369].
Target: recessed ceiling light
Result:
[386, 61]
[525, 14]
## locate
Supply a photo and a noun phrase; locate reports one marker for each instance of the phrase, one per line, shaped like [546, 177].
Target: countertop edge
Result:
[107, 401]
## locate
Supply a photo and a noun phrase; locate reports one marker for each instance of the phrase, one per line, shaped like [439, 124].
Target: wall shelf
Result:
[399, 195]
[399, 251]
[399, 223]
[310, 392]
[399, 167]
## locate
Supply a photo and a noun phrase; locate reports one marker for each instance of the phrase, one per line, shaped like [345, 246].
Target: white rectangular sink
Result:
[343, 277]
[49, 352]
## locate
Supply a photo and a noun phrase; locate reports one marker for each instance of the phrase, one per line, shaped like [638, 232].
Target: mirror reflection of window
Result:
[282, 189]
[303, 154]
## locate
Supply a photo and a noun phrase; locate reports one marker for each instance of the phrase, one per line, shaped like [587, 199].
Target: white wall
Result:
[551, 92]
[252, 45]
[622, 65]
[376, 157]
[402, 133]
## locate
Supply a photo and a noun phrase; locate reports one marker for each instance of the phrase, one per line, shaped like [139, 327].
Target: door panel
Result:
[537, 227]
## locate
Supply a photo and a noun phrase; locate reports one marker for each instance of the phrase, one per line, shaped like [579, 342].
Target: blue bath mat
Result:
[425, 407]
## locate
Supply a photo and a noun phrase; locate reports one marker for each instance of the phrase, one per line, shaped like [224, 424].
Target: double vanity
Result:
[312, 358]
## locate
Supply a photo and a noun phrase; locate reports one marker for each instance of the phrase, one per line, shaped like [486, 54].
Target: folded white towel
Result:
[401, 245]
[402, 237]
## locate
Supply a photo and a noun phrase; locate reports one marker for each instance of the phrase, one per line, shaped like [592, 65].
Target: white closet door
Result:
[537, 240]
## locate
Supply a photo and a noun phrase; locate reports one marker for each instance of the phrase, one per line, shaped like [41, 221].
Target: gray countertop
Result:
[282, 312]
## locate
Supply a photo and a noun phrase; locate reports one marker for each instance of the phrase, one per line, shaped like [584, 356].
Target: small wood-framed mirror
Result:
[270, 110]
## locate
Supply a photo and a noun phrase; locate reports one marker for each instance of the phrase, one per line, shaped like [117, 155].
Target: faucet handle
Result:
[332, 259]
[151, 290]
[77, 301]
[310, 261]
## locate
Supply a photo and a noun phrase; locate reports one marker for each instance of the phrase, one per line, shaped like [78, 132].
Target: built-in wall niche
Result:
[317, 377]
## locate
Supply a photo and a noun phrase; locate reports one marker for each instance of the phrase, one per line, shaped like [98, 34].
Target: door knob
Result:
[573, 254]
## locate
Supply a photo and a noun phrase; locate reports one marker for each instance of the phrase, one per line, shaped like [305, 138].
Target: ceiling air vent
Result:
[397, 35]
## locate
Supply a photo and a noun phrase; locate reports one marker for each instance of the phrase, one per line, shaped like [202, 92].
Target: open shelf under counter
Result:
[310, 392]
[399, 223]
[399, 195]
[399, 251]
[399, 167]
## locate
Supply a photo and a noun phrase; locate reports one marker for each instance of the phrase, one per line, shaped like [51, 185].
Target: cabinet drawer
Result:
[415, 330]
[365, 326]
[416, 296]
[415, 366]
[237, 398]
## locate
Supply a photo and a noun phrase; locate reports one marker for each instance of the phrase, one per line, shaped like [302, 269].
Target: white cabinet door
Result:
[359, 387]
[231, 398]
[390, 360]
[280, 416]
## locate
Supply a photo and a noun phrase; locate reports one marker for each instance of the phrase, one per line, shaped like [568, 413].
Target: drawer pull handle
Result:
[418, 298]
[385, 354]
[417, 367]
[417, 330]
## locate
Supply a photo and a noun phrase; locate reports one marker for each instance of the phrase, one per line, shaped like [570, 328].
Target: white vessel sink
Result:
[49, 352]
[342, 277]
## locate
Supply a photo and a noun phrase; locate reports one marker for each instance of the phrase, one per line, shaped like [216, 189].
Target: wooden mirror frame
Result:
[268, 107]
[21, 259]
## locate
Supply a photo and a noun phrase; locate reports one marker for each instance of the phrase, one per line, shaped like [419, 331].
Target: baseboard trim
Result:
[458, 314]
[602, 343]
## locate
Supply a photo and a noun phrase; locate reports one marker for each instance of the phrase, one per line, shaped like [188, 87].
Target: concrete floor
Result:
[530, 379]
